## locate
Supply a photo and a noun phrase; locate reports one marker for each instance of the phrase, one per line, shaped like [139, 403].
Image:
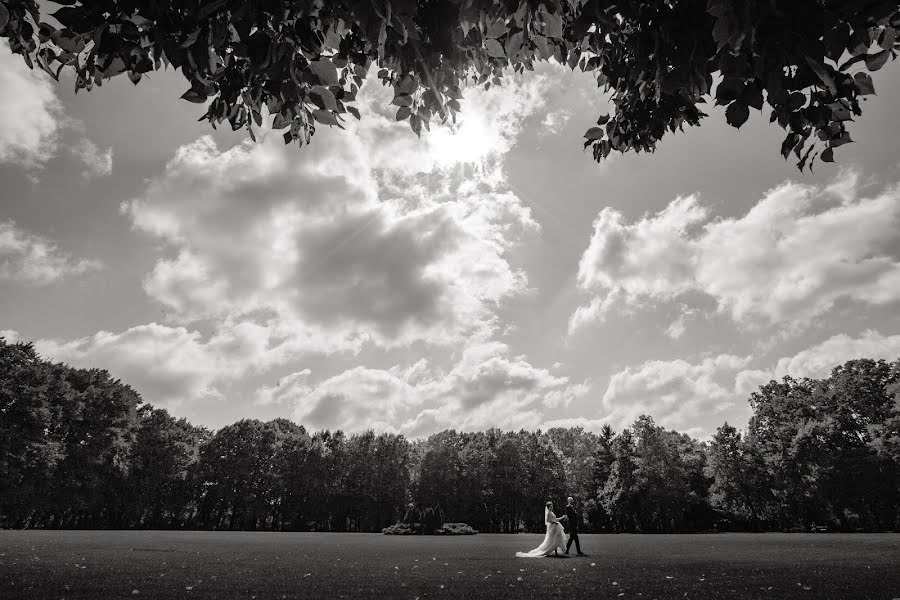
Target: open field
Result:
[170, 564]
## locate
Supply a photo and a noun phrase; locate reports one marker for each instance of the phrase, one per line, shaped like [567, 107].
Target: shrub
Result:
[455, 529]
[402, 529]
[416, 528]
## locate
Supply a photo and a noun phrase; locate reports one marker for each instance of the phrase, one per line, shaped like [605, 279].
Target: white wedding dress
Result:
[555, 539]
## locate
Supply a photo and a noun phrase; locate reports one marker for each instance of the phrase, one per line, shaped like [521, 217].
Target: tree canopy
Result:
[305, 60]
[81, 449]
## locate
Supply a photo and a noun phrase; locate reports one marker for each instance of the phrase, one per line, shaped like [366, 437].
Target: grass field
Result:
[167, 564]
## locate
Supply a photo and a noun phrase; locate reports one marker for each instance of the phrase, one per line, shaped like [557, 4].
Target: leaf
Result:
[407, 85]
[288, 138]
[281, 121]
[728, 90]
[402, 100]
[594, 133]
[752, 95]
[4, 17]
[325, 117]
[70, 18]
[860, 41]
[822, 71]
[325, 70]
[554, 25]
[543, 49]
[514, 44]
[796, 101]
[191, 38]
[495, 29]
[888, 38]
[323, 98]
[722, 31]
[864, 85]
[827, 155]
[494, 49]
[194, 96]
[353, 111]
[603, 120]
[836, 40]
[878, 60]
[737, 113]
[134, 76]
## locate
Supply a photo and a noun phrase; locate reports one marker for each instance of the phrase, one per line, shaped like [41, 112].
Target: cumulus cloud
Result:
[370, 235]
[697, 397]
[487, 387]
[170, 366]
[32, 112]
[97, 162]
[818, 361]
[795, 254]
[33, 259]
[556, 120]
[691, 397]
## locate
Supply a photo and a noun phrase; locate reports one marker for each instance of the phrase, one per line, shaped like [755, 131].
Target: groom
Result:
[572, 522]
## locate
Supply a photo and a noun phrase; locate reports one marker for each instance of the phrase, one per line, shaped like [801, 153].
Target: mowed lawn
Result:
[169, 564]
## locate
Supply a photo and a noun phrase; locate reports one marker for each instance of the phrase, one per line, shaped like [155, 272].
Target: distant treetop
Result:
[305, 60]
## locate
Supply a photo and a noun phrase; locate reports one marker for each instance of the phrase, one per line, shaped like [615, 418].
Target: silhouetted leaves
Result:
[737, 113]
[656, 60]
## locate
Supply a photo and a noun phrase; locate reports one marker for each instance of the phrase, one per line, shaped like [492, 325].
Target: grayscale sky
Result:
[488, 274]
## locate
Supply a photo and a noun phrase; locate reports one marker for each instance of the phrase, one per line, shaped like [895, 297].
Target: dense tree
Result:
[162, 460]
[577, 448]
[596, 514]
[619, 496]
[28, 457]
[545, 477]
[738, 486]
[304, 61]
[80, 449]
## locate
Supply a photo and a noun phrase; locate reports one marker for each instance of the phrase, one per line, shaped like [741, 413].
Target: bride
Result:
[554, 541]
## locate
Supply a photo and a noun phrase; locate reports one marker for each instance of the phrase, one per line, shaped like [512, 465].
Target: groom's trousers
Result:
[573, 537]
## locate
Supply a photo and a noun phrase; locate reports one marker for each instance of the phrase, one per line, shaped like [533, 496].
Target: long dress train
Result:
[555, 539]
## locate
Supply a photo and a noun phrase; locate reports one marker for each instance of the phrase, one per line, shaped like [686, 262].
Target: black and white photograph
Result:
[449, 299]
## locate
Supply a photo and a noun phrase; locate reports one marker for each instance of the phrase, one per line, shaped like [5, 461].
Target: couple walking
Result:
[555, 539]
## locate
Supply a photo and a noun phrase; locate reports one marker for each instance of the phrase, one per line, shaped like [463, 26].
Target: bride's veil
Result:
[546, 515]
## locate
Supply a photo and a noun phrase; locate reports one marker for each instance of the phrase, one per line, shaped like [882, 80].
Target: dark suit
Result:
[572, 522]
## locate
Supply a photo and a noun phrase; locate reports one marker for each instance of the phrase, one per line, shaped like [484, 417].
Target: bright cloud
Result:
[691, 397]
[487, 387]
[36, 260]
[170, 366]
[32, 112]
[484, 131]
[556, 120]
[818, 361]
[787, 261]
[97, 162]
[698, 397]
[345, 242]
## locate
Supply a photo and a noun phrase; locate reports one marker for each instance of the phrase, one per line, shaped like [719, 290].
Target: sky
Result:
[489, 274]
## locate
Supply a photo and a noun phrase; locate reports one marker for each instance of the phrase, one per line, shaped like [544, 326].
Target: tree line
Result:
[80, 449]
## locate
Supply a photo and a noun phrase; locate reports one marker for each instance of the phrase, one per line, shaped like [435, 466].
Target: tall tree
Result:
[619, 496]
[738, 486]
[162, 458]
